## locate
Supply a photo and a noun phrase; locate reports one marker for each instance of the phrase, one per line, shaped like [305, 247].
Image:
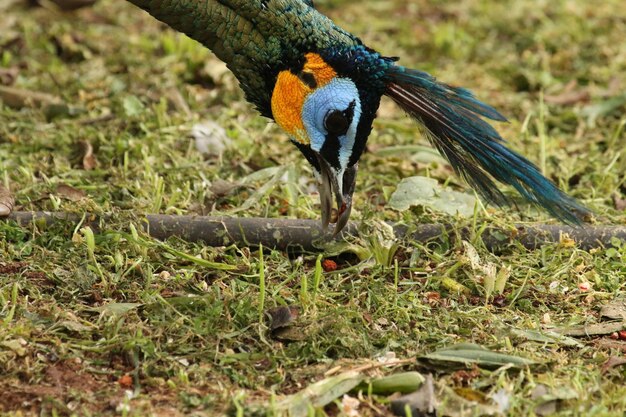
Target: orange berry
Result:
[329, 265]
[125, 381]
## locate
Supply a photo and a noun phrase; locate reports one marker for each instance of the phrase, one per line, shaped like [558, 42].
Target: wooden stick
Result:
[306, 235]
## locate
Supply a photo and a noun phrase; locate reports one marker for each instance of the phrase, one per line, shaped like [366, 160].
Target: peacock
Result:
[323, 87]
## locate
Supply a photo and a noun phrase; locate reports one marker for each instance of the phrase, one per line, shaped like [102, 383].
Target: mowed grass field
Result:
[113, 322]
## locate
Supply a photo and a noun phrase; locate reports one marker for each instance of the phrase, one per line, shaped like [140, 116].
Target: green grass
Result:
[79, 311]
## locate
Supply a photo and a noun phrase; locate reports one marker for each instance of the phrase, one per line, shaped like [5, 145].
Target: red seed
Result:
[125, 381]
[329, 265]
[622, 334]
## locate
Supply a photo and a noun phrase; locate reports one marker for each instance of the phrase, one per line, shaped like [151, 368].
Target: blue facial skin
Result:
[336, 95]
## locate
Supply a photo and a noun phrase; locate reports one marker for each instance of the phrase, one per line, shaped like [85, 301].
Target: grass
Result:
[116, 323]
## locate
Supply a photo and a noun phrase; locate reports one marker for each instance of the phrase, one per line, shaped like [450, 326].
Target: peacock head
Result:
[323, 113]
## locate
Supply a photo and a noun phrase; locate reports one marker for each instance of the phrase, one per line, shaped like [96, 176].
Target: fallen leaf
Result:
[177, 101]
[474, 403]
[320, 393]
[468, 354]
[615, 310]
[132, 106]
[502, 398]
[620, 203]
[280, 317]
[8, 75]
[550, 400]
[613, 362]
[568, 97]
[7, 201]
[210, 138]
[216, 72]
[422, 191]
[485, 269]
[70, 193]
[606, 343]
[221, 188]
[116, 309]
[87, 156]
[292, 334]
[74, 326]
[350, 406]
[545, 407]
[12, 267]
[18, 98]
[546, 337]
[18, 346]
[593, 329]
[69, 46]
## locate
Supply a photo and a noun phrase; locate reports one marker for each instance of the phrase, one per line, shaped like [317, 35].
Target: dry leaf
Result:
[210, 138]
[569, 98]
[6, 201]
[613, 362]
[569, 95]
[221, 188]
[177, 101]
[18, 98]
[593, 329]
[551, 399]
[422, 191]
[615, 310]
[350, 406]
[69, 47]
[620, 203]
[320, 393]
[465, 354]
[280, 317]
[87, 155]
[8, 75]
[70, 193]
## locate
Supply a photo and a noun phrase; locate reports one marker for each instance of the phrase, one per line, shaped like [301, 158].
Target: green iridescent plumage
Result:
[255, 38]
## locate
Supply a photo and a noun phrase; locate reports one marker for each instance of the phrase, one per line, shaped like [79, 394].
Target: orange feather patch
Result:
[291, 91]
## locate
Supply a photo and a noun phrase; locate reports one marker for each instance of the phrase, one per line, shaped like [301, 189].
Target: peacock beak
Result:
[341, 184]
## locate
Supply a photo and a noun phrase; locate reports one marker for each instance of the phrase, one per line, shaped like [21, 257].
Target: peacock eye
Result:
[336, 123]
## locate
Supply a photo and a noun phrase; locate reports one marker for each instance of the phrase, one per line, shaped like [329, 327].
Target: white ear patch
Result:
[338, 94]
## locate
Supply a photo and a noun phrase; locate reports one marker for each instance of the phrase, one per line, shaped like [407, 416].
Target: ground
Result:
[116, 323]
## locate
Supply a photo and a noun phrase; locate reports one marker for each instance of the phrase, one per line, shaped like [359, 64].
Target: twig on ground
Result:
[306, 235]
